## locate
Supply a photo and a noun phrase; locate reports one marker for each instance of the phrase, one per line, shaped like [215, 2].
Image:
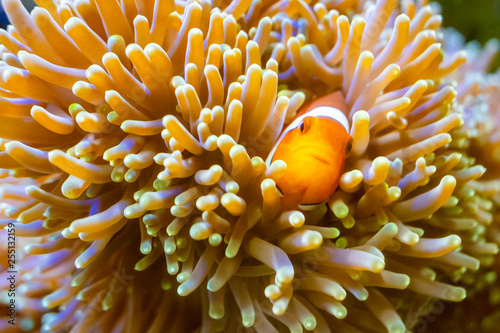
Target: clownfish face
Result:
[314, 147]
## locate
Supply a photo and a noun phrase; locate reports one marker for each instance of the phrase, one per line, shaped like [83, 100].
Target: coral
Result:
[134, 136]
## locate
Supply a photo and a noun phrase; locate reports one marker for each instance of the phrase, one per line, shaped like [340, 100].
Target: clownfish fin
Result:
[335, 100]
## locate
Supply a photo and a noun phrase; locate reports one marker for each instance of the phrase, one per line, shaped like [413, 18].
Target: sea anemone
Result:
[479, 93]
[134, 135]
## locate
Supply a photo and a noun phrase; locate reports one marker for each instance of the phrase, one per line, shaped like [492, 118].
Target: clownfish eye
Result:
[302, 127]
[348, 147]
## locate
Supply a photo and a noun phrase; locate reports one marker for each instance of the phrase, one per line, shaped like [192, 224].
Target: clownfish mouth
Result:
[320, 159]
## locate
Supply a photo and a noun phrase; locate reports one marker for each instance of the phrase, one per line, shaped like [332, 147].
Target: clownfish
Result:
[314, 147]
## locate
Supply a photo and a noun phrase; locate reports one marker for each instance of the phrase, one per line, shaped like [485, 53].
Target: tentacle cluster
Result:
[133, 143]
[478, 140]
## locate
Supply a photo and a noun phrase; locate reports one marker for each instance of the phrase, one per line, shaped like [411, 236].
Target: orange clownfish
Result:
[314, 147]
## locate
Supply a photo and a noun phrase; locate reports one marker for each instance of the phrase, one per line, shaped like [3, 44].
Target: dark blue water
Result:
[3, 19]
